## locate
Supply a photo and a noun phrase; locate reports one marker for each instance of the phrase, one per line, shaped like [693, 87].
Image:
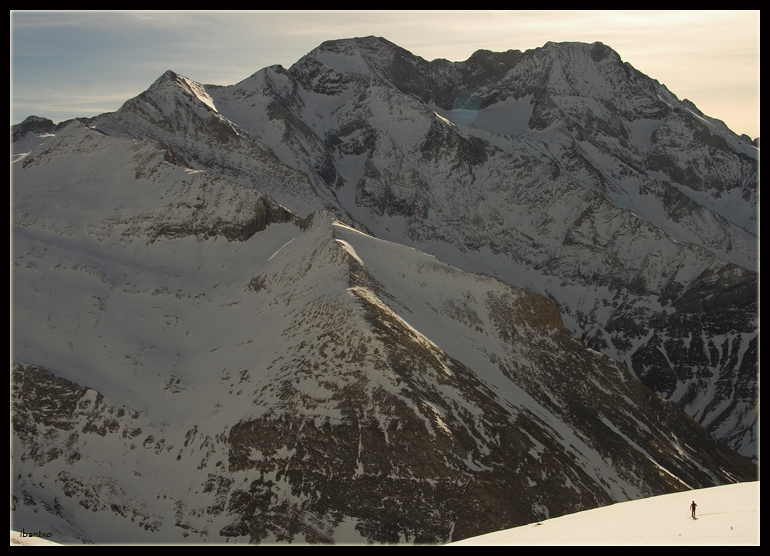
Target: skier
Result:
[692, 508]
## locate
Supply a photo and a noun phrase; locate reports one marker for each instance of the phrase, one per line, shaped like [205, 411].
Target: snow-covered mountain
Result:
[562, 170]
[230, 324]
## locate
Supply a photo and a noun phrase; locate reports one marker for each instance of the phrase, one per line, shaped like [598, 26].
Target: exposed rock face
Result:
[206, 349]
[54, 419]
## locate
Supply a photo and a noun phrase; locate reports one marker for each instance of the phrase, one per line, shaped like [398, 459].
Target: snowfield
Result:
[726, 515]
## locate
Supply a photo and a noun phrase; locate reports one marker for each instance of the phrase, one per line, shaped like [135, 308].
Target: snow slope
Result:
[726, 515]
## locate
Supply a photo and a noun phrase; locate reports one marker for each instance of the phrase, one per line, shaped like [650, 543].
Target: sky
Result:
[83, 63]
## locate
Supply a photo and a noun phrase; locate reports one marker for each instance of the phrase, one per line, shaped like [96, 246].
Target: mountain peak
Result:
[36, 120]
[358, 56]
[168, 76]
[32, 123]
[171, 79]
[369, 42]
[33, 128]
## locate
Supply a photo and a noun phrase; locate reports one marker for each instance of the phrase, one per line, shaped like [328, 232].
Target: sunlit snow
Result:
[725, 515]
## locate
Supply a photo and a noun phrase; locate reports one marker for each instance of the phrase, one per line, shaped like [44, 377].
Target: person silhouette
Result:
[692, 508]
